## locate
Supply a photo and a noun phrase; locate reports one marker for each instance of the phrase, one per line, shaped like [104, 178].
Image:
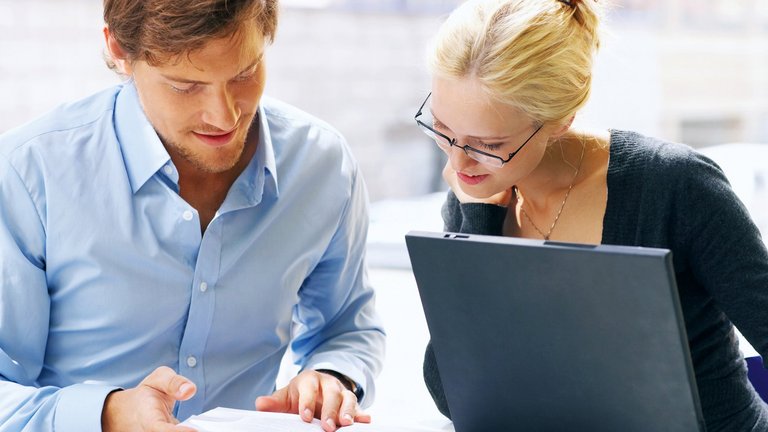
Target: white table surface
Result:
[401, 393]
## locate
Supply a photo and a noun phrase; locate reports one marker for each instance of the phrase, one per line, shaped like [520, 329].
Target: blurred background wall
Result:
[684, 70]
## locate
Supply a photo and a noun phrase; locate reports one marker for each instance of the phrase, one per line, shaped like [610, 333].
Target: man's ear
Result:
[116, 53]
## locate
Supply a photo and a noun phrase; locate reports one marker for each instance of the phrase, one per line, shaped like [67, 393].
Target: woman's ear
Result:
[116, 53]
[564, 128]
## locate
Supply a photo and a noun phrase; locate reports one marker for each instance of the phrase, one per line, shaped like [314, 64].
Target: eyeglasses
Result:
[445, 143]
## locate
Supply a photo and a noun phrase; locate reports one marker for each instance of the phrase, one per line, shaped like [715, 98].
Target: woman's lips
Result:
[470, 179]
[215, 140]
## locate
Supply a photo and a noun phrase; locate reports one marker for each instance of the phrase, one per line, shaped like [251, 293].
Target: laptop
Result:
[542, 336]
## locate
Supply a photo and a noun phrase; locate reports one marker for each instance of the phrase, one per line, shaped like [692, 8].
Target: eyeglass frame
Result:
[453, 142]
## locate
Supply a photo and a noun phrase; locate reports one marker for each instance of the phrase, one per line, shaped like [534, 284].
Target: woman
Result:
[508, 78]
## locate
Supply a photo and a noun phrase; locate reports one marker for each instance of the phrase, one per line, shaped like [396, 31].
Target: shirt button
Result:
[187, 215]
[203, 287]
[168, 170]
[191, 361]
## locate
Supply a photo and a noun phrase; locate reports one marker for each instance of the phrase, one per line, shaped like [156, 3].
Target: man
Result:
[163, 242]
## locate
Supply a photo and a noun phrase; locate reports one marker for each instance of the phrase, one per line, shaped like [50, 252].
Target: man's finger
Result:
[308, 388]
[167, 381]
[279, 401]
[348, 408]
[332, 393]
[362, 416]
[330, 411]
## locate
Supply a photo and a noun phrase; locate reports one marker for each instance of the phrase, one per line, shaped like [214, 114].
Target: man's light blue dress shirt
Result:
[104, 273]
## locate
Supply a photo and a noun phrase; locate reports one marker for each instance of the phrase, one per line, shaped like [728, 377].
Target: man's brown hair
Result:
[157, 31]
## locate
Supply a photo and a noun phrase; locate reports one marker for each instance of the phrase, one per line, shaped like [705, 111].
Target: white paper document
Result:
[233, 420]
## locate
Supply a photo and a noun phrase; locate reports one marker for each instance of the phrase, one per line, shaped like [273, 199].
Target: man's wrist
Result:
[346, 381]
[107, 414]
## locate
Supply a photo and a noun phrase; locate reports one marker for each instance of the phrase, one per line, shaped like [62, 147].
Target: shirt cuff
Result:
[79, 407]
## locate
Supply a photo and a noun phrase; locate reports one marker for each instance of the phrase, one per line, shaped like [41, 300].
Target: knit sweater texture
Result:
[666, 195]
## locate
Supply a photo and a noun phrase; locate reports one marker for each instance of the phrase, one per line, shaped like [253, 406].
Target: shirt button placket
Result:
[201, 310]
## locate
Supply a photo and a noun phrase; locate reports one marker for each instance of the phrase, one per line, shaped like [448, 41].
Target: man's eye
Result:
[183, 89]
[245, 77]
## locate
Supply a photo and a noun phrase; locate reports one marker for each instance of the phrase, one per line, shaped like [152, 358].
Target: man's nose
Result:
[222, 111]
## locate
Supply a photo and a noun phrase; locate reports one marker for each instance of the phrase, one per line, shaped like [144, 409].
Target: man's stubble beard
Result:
[221, 164]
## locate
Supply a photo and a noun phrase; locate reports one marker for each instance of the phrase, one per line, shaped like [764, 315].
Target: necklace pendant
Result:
[562, 205]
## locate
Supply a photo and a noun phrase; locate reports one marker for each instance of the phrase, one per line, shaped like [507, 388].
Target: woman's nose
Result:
[459, 158]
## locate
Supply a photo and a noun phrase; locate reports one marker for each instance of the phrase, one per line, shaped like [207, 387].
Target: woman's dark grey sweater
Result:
[668, 196]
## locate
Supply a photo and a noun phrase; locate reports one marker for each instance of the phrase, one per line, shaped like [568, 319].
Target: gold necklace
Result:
[562, 205]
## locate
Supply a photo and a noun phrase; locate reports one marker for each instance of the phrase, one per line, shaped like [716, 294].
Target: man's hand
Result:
[149, 406]
[500, 199]
[314, 394]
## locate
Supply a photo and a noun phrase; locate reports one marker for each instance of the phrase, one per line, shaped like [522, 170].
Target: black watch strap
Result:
[346, 381]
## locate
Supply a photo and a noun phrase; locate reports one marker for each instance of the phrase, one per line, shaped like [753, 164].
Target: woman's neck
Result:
[561, 168]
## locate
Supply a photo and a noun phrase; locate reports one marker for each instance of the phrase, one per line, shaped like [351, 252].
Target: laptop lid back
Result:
[541, 336]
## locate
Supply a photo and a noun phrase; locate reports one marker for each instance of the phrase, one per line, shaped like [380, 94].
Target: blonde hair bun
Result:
[536, 55]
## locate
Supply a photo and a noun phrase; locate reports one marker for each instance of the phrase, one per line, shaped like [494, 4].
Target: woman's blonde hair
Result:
[535, 55]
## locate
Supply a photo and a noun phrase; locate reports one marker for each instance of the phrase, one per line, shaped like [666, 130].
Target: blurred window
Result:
[648, 12]
[396, 6]
[722, 14]
[703, 132]
[761, 12]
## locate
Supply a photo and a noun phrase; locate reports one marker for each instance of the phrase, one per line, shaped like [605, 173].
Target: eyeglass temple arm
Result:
[511, 155]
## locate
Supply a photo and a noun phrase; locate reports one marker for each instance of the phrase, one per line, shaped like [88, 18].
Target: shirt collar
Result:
[143, 152]
[259, 177]
[266, 150]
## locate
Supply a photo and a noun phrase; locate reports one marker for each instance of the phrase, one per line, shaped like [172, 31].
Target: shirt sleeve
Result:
[725, 250]
[24, 320]
[338, 325]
